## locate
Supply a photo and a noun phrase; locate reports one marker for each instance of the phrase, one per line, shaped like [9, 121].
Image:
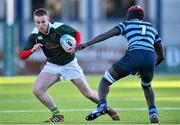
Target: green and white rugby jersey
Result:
[51, 45]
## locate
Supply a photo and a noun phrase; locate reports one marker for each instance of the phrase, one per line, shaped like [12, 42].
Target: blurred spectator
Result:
[59, 9]
[116, 8]
[54, 7]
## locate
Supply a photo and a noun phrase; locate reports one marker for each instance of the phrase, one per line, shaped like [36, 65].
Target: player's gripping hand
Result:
[70, 50]
[80, 47]
[36, 47]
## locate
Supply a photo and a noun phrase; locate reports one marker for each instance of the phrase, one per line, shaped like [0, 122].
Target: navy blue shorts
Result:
[134, 61]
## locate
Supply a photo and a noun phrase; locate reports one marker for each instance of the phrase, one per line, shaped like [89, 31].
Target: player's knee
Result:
[145, 84]
[146, 80]
[37, 91]
[109, 77]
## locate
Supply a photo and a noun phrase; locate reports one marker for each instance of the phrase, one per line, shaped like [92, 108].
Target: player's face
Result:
[42, 23]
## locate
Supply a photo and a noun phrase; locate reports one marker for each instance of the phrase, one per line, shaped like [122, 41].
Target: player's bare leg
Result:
[83, 86]
[43, 82]
[85, 89]
[150, 98]
[103, 90]
[153, 113]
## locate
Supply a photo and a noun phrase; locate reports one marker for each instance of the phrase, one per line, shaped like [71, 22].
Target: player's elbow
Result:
[21, 57]
[78, 38]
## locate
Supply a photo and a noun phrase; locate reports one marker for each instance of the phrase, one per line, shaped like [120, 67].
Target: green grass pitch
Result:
[19, 106]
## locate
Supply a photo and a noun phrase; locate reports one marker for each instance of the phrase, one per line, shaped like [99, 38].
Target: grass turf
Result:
[19, 106]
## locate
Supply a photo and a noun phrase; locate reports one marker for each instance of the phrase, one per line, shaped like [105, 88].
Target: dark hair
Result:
[135, 12]
[40, 12]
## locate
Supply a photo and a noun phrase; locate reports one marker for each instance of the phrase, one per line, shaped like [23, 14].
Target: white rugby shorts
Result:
[69, 71]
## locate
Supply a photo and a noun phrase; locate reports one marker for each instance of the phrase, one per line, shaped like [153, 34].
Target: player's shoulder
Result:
[35, 31]
[34, 34]
[55, 25]
[61, 27]
[138, 22]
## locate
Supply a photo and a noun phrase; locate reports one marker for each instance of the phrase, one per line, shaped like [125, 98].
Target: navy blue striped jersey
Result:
[140, 34]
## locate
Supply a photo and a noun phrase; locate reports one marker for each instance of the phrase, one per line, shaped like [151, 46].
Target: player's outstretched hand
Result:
[36, 47]
[80, 47]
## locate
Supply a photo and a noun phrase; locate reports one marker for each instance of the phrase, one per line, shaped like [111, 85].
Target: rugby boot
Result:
[56, 118]
[113, 114]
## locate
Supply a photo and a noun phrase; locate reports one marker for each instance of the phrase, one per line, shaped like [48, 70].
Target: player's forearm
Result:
[159, 60]
[24, 54]
[104, 36]
[160, 53]
[97, 39]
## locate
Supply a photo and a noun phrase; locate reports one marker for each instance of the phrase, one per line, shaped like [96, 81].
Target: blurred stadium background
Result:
[91, 17]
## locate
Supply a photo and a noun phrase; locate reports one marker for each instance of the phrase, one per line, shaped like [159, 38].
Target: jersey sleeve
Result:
[26, 52]
[30, 42]
[157, 37]
[66, 29]
[121, 27]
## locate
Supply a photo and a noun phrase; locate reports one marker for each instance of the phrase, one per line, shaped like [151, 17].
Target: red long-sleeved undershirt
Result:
[78, 38]
[24, 54]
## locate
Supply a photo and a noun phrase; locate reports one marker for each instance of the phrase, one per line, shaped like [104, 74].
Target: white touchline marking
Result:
[83, 100]
[84, 110]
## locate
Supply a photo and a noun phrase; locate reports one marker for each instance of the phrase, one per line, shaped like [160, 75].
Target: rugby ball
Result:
[67, 41]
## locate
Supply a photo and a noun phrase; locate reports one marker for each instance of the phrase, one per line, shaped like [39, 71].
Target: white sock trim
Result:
[145, 84]
[108, 77]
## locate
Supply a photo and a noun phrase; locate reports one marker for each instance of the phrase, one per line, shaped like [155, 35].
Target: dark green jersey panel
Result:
[51, 45]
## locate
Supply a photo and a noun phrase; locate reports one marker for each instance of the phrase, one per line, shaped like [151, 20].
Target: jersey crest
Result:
[40, 38]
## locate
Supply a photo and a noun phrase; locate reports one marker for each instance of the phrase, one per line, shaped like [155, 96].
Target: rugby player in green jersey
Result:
[62, 64]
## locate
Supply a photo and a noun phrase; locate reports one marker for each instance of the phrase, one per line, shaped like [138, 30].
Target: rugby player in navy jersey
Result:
[46, 36]
[145, 51]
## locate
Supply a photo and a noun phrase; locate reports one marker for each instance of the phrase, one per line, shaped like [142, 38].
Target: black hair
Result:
[135, 12]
